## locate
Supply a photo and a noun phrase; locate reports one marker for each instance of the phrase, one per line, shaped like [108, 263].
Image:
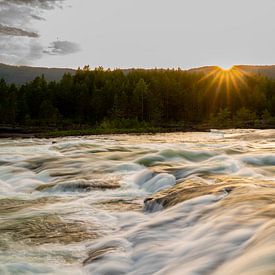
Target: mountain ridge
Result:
[22, 74]
[264, 70]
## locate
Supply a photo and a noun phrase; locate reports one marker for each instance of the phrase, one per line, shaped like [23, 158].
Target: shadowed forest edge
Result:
[114, 101]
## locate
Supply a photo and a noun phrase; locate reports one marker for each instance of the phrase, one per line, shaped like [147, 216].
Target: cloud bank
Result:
[6, 30]
[19, 42]
[62, 48]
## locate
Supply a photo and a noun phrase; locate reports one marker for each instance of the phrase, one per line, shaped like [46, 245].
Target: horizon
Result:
[143, 68]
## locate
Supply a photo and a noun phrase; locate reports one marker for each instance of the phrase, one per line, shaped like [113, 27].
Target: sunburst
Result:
[226, 68]
[226, 80]
[231, 77]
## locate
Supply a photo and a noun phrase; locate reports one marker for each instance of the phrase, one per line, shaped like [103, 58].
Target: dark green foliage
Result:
[138, 98]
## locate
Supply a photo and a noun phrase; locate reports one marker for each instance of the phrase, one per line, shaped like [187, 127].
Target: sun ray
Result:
[227, 82]
[241, 79]
[220, 83]
[214, 80]
[237, 88]
[215, 71]
[234, 82]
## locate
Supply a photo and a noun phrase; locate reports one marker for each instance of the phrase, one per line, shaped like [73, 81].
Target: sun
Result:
[225, 77]
[226, 80]
[226, 68]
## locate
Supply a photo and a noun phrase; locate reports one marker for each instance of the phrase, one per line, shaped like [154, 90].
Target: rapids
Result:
[178, 203]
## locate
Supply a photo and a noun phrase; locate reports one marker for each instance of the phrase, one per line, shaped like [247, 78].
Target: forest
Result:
[141, 98]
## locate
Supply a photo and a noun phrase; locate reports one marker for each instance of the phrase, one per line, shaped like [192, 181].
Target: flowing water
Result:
[179, 203]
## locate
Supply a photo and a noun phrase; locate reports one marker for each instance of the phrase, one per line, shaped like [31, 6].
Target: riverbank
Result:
[34, 132]
[48, 132]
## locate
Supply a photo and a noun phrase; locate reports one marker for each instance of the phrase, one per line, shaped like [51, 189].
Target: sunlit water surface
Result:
[76, 205]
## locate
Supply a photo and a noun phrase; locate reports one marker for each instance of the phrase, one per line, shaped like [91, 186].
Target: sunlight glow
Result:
[226, 68]
[225, 80]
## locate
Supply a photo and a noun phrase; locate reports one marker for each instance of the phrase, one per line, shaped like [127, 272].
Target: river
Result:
[177, 203]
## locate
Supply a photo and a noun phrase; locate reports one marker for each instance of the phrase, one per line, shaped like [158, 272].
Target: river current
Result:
[177, 203]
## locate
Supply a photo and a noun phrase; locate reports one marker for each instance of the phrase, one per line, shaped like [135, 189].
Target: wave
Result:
[202, 203]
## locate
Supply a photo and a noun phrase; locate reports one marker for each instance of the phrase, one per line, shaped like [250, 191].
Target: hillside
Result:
[268, 71]
[22, 74]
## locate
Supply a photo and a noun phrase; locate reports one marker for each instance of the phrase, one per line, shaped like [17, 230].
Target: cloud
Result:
[19, 43]
[16, 16]
[11, 51]
[15, 13]
[42, 4]
[62, 48]
[6, 30]
[30, 49]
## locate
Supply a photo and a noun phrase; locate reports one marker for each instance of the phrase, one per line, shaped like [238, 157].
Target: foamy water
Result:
[76, 205]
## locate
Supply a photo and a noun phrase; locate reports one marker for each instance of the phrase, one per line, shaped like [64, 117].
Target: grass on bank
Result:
[98, 131]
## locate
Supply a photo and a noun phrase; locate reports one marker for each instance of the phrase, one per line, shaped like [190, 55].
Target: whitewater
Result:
[176, 203]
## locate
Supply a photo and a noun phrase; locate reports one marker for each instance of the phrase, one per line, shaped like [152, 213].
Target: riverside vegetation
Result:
[102, 101]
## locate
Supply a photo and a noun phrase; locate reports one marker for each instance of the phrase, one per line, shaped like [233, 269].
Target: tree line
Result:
[134, 98]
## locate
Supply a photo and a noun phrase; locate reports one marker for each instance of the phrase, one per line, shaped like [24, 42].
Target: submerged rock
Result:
[80, 185]
[47, 229]
[196, 187]
[13, 205]
[120, 205]
[97, 254]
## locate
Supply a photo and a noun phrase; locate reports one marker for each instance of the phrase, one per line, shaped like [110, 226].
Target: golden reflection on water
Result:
[209, 203]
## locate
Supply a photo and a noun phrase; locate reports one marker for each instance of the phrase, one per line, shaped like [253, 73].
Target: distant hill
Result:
[22, 74]
[268, 71]
[206, 69]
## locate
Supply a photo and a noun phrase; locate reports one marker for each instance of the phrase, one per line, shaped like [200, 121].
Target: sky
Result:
[137, 33]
